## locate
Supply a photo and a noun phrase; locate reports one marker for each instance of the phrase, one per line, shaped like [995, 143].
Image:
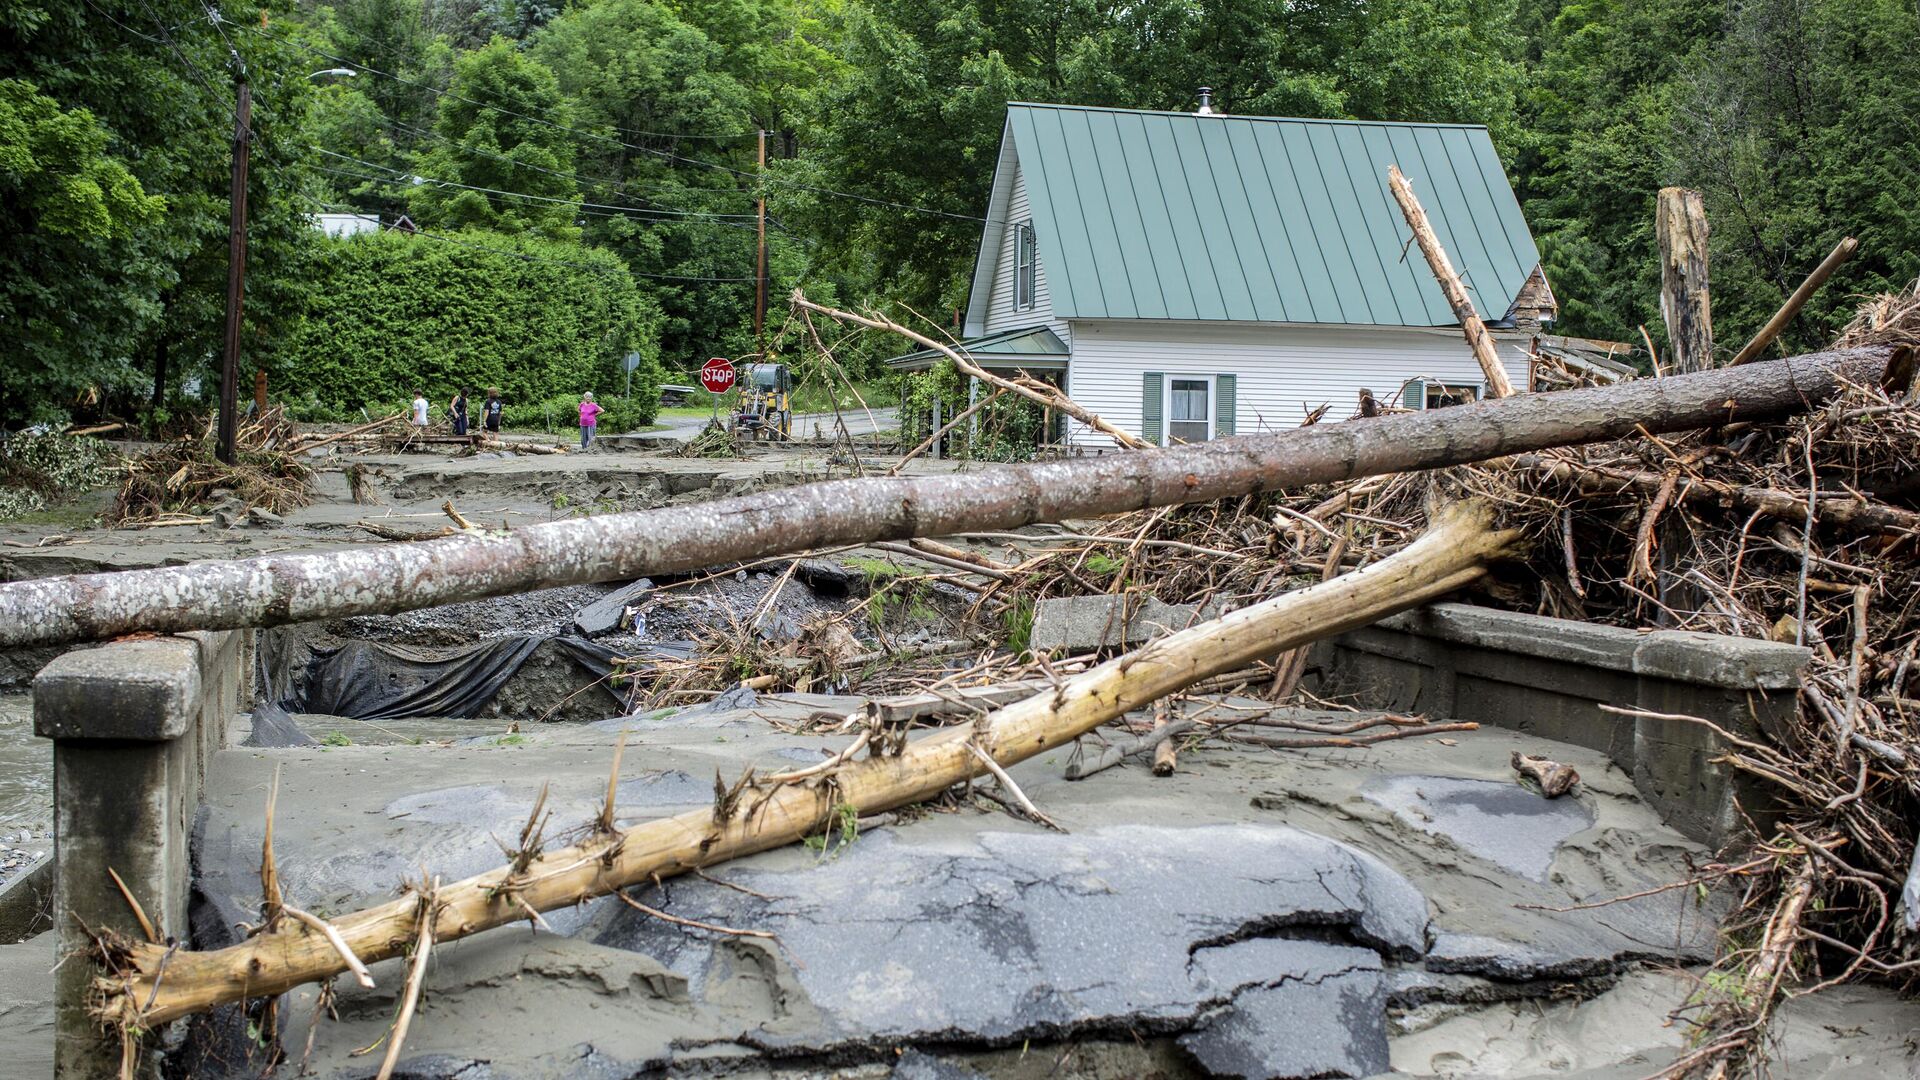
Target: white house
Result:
[1192, 275]
[339, 225]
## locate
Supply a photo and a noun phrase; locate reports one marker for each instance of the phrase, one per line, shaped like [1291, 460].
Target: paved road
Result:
[858, 421]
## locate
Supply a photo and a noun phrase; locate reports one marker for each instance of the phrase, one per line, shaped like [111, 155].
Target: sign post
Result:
[717, 376]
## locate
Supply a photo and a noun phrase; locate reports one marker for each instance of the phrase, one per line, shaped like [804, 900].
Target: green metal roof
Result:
[1158, 215]
[1036, 348]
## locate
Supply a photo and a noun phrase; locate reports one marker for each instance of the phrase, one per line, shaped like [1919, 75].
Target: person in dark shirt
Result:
[457, 408]
[490, 411]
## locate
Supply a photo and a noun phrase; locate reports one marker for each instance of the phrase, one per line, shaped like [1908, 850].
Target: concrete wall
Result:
[1550, 677]
[134, 725]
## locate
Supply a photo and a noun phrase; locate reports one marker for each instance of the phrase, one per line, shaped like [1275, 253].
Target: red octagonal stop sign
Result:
[717, 376]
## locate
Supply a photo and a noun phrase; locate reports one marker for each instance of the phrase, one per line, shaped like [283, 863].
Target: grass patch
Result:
[1104, 564]
[874, 569]
[1018, 621]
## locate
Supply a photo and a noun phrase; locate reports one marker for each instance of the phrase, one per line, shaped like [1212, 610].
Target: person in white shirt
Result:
[419, 409]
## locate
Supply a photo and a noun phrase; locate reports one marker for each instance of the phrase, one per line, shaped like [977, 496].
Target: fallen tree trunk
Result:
[757, 816]
[281, 589]
[1478, 338]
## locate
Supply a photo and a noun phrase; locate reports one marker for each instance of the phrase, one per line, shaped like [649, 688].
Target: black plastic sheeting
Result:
[368, 680]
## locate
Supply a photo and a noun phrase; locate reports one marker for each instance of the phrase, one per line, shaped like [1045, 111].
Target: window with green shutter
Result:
[1152, 412]
[1415, 395]
[1225, 389]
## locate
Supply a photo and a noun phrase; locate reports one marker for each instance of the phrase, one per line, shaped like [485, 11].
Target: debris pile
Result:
[714, 441]
[1803, 531]
[178, 483]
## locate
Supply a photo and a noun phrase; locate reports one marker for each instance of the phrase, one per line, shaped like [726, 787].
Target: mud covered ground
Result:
[1324, 913]
[1295, 913]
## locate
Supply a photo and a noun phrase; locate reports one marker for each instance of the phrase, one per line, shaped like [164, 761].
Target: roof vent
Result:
[1206, 102]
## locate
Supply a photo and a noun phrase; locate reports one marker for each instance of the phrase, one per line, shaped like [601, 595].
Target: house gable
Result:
[991, 307]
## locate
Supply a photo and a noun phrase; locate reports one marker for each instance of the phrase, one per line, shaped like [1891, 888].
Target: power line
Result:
[668, 155]
[563, 174]
[400, 176]
[523, 256]
[587, 209]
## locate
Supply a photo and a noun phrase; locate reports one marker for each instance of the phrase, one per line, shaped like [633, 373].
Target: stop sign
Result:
[716, 376]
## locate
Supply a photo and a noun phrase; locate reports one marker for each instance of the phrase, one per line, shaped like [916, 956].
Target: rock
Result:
[1083, 623]
[260, 515]
[825, 577]
[604, 615]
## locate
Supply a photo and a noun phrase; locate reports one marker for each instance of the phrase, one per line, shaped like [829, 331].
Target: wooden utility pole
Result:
[760, 260]
[236, 267]
[1478, 338]
[1680, 224]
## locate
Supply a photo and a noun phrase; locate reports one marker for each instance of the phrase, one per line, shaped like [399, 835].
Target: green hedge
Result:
[539, 319]
[617, 414]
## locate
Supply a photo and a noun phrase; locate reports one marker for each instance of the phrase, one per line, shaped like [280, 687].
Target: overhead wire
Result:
[523, 256]
[581, 133]
[642, 211]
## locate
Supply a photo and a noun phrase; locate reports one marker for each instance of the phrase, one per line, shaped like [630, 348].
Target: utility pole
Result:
[236, 266]
[760, 262]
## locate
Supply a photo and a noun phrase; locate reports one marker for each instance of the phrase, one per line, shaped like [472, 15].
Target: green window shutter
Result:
[1225, 388]
[1153, 386]
[1415, 396]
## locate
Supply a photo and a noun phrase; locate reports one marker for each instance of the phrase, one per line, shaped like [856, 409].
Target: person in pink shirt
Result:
[589, 417]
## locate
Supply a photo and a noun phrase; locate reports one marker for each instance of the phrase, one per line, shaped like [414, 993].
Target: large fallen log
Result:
[280, 589]
[150, 984]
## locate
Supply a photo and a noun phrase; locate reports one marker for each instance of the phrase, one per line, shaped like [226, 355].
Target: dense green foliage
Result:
[619, 134]
[38, 468]
[397, 313]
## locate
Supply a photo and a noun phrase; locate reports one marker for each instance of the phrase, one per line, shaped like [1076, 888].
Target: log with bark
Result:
[281, 589]
[143, 984]
[1478, 337]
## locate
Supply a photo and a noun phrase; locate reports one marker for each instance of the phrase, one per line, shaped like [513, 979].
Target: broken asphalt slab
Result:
[1260, 911]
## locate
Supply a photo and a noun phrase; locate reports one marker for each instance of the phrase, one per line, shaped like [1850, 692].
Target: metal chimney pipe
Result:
[1206, 102]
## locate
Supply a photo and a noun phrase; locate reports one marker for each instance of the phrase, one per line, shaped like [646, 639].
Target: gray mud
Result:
[1254, 914]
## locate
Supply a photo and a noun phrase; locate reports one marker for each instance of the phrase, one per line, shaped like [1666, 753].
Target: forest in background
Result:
[595, 161]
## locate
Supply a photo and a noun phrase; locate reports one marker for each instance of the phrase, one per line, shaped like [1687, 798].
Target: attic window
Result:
[1023, 266]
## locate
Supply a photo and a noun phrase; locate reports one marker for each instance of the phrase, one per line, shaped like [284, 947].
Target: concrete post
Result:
[133, 725]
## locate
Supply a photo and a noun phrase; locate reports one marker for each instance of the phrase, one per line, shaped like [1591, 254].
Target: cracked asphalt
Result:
[1256, 914]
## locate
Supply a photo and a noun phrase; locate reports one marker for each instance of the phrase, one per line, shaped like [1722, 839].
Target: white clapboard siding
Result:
[1282, 371]
[1000, 311]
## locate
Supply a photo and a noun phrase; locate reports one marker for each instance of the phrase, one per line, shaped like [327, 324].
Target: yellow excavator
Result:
[766, 405]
